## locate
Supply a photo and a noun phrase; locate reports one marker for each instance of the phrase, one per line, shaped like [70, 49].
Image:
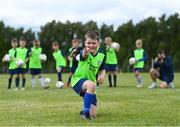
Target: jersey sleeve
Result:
[29, 52]
[145, 57]
[102, 67]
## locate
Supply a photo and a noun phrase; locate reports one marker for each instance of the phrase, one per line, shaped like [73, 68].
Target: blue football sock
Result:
[87, 102]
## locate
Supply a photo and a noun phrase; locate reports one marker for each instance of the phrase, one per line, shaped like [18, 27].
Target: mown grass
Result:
[124, 105]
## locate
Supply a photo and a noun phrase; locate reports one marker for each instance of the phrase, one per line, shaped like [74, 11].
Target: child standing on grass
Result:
[140, 56]
[35, 64]
[59, 58]
[21, 54]
[84, 80]
[111, 61]
[74, 52]
[12, 65]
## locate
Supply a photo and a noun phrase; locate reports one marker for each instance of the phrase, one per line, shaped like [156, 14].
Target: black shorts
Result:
[35, 71]
[21, 70]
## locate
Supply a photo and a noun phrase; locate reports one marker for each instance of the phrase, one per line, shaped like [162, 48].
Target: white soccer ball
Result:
[132, 60]
[59, 84]
[47, 80]
[43, 57]
[115, 45]
[78, 57]
[7, 58]
[19, 62]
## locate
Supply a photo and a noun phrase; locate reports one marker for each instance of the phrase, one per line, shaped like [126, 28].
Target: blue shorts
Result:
[35, 71]
[138, 69]
[21, 71]
[167, 79]
[12, 71]
[110, 67]
[78, 89]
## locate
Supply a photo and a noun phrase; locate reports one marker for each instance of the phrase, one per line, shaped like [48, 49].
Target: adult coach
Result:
[162, 69]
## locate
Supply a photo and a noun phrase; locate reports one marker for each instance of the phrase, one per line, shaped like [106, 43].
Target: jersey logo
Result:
[99, 63]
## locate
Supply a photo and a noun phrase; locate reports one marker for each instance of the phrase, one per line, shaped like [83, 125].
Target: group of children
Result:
[88, 66]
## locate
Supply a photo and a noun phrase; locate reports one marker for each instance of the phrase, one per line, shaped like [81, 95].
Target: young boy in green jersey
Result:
[12, 65]
[73, 54]
[35, 64]
[84, 81]
[21, 54]
[111, 61]
[140, 56]
[60, 60]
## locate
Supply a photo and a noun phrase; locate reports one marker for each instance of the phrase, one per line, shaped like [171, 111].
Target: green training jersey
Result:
[138, 54]
[111, 56]
[34, 60]
[59, 58]
[21, 54]
[88, 68]
[12, 64]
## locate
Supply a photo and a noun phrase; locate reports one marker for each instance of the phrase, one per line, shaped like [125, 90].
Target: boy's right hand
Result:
[86, 52]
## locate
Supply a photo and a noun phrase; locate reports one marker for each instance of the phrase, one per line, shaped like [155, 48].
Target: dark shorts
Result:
[165, 78]
[12, 71]
[21, 71]
[35, 71]
[110, 67]
[138, 69]
[78, 89]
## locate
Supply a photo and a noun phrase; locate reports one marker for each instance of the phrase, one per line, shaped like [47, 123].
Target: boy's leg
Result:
[23, 81]
[33, 81]
[17, 80]
[115, 78]
[93, 109]
[89, 86]
[10, 81]
[110, 79]
[138, 78]
[59, 73]
[41, 80]
[69, 79]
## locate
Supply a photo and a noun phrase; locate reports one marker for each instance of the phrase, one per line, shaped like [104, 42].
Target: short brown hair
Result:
[92, 34]
[75, 40]
[14, 40]
[55, 43]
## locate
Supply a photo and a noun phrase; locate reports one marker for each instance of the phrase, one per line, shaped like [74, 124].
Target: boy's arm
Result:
[102, 72]
[145, 57]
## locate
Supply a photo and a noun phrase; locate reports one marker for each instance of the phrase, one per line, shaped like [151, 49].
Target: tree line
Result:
[163, 32]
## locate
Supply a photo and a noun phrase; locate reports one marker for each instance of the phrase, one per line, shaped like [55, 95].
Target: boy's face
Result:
[36, 43]
[22, 43]
[14, 44]
[75, 44]
[138, 45]
[108, 41]
[55, 47]
[92, 44]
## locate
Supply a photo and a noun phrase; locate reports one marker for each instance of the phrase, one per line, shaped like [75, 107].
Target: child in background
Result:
[140, 56]
[12, 65]
[21, 54]
[59, 58]
[73, 57]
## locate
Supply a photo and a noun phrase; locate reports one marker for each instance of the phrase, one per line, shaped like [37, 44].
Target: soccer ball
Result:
[47, 80]
[78, 57]
[115, 45]
[19, 62]
[7, 58]
[132, 60]
[59, 84]
[43, 57]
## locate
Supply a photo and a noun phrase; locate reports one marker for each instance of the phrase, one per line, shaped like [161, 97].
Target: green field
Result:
[124, 105]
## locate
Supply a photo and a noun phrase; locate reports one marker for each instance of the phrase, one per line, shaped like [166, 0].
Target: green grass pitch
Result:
[124, 105]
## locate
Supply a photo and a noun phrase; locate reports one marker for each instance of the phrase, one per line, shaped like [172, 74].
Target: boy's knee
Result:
[90, 86]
